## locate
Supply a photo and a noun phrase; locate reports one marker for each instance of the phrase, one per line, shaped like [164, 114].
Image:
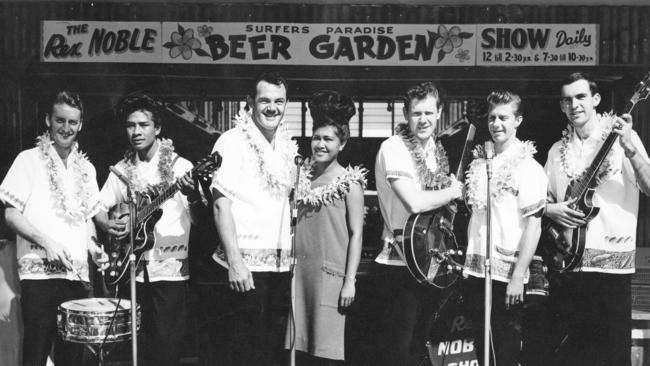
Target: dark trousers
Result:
[595, 319]
[40, 300]
[244, 328]
[163, 312]
[404, 327]
[505, 323]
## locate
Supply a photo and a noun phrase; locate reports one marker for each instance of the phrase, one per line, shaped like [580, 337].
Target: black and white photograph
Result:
[324, 183]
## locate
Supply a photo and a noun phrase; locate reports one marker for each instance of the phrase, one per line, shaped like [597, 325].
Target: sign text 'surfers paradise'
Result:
[318, 44]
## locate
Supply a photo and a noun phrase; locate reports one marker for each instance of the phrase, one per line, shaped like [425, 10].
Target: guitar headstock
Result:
[641, 91]
[206, 166]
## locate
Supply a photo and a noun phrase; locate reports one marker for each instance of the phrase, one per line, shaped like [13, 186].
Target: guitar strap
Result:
[145, 273]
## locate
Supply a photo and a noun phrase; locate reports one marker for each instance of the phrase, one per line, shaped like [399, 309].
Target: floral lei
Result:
[75, 207]
[276, 174]
[165, 168]
[502, 179]
[567, 155]
[438, 179]
[326, 194]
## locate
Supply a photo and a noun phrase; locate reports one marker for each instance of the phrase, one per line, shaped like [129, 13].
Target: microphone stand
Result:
[489, 153]
[132, 220]
[298, 160]
[134, 324]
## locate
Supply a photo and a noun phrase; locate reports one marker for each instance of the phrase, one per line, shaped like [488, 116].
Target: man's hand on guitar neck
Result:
[189, 187]
[563, 214]
[624, 130]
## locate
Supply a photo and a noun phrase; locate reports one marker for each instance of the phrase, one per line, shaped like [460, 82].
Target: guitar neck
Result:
[157, 202]
[589, 177]
[464, 158]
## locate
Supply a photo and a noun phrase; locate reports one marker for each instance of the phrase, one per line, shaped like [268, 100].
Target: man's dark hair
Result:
[269, 77]
[421, 91]
[138, 103]
[500, 97]
[572, 78]
[330, 108]
[67, 97]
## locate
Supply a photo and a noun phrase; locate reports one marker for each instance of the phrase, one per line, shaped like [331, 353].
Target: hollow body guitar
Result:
[563, 248]
[145, 221]
[429, 247]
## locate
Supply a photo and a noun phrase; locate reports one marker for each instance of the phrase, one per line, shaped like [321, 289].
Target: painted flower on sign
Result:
[462, 55]
[448, 40]
[204, 30]
[183, 43]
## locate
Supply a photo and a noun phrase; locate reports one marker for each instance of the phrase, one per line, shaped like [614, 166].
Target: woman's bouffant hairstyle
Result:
[329, 108]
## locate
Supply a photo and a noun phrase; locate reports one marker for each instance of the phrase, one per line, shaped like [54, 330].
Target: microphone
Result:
[489, 154]
[119, 175]
[298, 159]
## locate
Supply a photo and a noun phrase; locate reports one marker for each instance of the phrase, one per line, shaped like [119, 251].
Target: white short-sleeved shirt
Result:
[261, 214]
[394, 161]
[521, 195]
[167, 260]
[26, 187]
[611, 235]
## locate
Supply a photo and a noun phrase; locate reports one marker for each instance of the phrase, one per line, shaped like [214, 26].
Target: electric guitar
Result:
[429, 247]
[563, 248]
[146, 218]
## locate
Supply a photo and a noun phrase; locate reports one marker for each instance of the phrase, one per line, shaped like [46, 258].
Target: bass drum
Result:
[430, 248]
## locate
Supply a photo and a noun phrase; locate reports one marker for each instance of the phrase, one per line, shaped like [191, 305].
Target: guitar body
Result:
[429, 242]
[144, 239]
[563, 248]
[144, 236]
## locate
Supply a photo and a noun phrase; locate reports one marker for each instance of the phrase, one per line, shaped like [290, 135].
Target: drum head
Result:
[97, 304]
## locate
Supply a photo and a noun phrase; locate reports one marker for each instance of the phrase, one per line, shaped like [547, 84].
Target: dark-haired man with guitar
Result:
[412, 174]
[151, 167]
[586, 168]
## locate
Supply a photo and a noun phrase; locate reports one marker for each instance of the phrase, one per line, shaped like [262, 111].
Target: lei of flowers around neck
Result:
[276, 174]
[165, 169]
[502, 179]
[568, 155]
[326, 194]
[438, 179]
[76, 207]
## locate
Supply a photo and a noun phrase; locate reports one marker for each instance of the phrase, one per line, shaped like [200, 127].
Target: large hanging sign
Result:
[67, 41]
[536, 44]
[306, 44]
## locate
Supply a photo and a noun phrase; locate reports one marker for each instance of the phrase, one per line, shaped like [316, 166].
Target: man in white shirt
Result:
[412, 174]
[151, 166]
[50, 194]
[517, 198]
[251, 213]
[595, 298]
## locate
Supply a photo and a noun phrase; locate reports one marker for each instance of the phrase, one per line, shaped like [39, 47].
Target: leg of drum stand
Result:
[98, 353]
